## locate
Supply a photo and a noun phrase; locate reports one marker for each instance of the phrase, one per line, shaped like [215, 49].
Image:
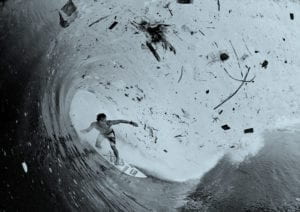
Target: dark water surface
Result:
[270, 181]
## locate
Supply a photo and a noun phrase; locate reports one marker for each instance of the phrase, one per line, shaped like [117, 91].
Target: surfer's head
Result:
[101, 117]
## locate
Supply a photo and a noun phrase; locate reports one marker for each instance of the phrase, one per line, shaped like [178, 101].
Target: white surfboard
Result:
[123, 165]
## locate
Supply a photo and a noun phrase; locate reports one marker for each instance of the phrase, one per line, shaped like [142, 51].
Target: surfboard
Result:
[123, 166]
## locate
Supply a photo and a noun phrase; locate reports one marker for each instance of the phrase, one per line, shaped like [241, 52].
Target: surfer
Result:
[104, 126]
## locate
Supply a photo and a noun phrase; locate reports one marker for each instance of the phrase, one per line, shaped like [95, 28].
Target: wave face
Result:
[267, 182]
[160, 65]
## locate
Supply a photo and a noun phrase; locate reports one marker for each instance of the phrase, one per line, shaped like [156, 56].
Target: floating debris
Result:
[224, 56]
[98, 20]
[63, 23]
[184, 1]
[235, 92]
[235, 53]
[113, 25]
[165, 151]
[139, 98]
[249, 130]
[69, 8]
[225, 127]
[215, 119]
[219, 5]
[185, 113]
[156, 34]
[180, 77]
[68, 14]
[292, 16]
[167, 6]
[151, 48]
[25, 167]
[265, 64]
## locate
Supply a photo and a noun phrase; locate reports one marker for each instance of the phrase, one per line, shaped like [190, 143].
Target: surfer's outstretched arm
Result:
[88, 129]
[114, 122]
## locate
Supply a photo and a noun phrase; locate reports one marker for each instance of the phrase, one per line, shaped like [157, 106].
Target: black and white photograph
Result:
[150, 105]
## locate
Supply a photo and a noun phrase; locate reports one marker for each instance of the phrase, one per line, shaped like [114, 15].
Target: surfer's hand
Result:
[134, 124]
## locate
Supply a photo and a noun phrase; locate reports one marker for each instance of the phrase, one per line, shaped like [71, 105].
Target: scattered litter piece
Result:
[155, 33]
[113, 25]
[181, 73]
[235, 92]
[220, 112]
[167, 6]
[98, 20]
[219, 6]
[225, 127]
[207, 91]
[256, 51]
[151, 48]
[232, 146]
[292, 16]
[24, 165]
[265, 64]
[224, 56]
[63, 23]
[249, 130]
[69, 8]
[184, 1]
[165, 150]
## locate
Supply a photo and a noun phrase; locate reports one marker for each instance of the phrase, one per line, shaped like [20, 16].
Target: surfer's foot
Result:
[117, 162]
